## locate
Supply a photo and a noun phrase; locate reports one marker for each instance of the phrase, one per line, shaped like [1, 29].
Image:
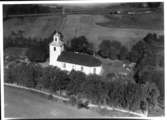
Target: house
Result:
[69, 61]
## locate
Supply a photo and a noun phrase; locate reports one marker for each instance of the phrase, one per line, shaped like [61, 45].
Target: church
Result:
[69, 61]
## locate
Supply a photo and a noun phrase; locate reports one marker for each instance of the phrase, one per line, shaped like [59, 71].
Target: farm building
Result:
[72, 60]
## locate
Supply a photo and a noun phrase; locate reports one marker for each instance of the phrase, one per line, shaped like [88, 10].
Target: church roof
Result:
[79, 58]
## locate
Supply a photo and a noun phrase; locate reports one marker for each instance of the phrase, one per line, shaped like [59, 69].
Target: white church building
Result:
[72, 60]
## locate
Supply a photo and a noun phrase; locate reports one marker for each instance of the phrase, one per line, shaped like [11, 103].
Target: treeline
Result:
[25, 9]
[142, 5]
[95, 88]
[112, 50]
[107, 48]
[38, 49]
[145, 54]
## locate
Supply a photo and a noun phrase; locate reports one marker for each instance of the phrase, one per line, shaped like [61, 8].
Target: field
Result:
[20, 103]
[77, 25]
[25, 104]
[33, 27]
[96, 27]
[141, 20]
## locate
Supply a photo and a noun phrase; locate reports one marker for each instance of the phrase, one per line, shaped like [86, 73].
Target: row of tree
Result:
[38, 49]
[25, 9]
[107, 48]
[149, 63]
[130, 96]
[113, 50]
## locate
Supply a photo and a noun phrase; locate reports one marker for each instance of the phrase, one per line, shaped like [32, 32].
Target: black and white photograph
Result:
[83, 60]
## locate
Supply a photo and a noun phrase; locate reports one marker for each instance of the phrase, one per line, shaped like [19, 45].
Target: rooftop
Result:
[79, 58]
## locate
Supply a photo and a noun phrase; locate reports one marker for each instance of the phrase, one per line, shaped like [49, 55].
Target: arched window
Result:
[94, 70]
[82, 68]
[64, 65]
[73, 67]
[54, 48]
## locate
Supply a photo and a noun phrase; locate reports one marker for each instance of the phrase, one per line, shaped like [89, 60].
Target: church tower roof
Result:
[57, 40]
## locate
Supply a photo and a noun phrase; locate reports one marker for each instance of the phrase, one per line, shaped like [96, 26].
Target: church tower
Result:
[56, 48]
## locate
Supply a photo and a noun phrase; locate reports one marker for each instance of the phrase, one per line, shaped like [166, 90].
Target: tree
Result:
[25, 9]
[151, 94]
[61, 81]
[94, 90]
[123, 53]
[36, 54]
[76, 80]
[104, 48]
[137, 52]
[8, 75]
[109, 49]
[144, 54]
[115, 94]
[47, 76]
[23, 74]
[119, 95]
[157, 77]
[150, 37]
[133, 96]
[154, 4]
[81, 44]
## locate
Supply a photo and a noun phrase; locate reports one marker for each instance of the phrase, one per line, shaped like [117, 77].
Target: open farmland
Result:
[22, 103]
[26, 104]
[148, 19]
[33, 27]
[76, 25]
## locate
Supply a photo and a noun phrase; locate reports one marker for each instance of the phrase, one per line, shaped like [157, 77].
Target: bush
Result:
[73, 100]
[110, 76]
[81, 44]
[112, 50]
[8, 76]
